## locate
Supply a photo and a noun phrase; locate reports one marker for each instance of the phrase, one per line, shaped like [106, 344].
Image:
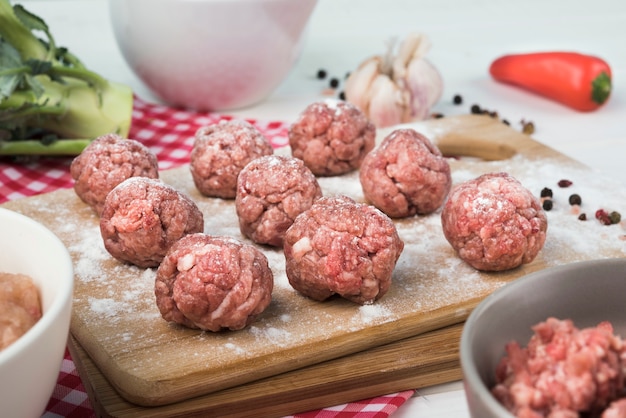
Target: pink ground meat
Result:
[494, 223]
[213, 283]
[105, 163]
[143, 217]
[271, 191]
[563, 372]
[20, 307]
[342, 247]
[332, 137]
[220, 152]
[405, 175]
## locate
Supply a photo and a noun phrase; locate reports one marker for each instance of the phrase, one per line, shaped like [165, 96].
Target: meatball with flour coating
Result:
[494, 223]
[143, 217]
[219, 153]
[106, 162]
[332, 137]
[342, 247]
[405, 175]
[271, 192]
[213, 283]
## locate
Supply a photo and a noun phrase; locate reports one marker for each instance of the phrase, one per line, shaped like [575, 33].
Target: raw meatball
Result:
[143, 217]
[563, 371]
[105, 163]
[213, 283]
[342, 247]
[219, 153]
[20, 307]
[271, 192]
[332, 137]
[494, 223]
[405, 175]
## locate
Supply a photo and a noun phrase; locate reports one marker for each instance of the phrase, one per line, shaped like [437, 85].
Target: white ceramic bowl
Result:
[211, 54]
[29, 368]
[587, 292]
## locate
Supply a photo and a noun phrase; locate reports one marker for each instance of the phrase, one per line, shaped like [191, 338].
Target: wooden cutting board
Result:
[151, 363]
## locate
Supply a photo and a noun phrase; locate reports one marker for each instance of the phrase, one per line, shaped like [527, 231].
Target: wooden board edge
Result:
[424, 360]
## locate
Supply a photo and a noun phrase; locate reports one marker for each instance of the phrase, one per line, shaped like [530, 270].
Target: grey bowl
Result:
[587, 292]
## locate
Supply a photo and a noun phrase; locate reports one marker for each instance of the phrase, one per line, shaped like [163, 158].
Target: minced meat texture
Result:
[143, 217]
[20, 307]
[564, 372]
[220, 152]
[494, 223]
[213, 283]
[332, 137]
[405, 175]
[271, 192]
[106, 162]
[342, 247]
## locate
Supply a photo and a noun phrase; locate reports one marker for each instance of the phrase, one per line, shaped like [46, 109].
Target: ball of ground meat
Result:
[106, 162]
[219, 153]
[271, 192]
[342, 247]
[143, 217]
[332, 137]
[213, 283]
[405, 175]
[563, 371]
[494, 223]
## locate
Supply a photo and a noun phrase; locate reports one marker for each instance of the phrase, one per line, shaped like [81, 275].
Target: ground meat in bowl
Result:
[219, 153]
[494, 223]
[563, 372]
[20, 307]
[271, 192]
[143, 217]
[332, 137]
[213, 283]
[342, 247]
[405, 175]
[106, 162]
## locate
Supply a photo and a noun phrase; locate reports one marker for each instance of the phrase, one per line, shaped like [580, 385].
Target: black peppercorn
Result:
[457, 99]
[582, 217]
[321, 74]
[342, 95]
[475, 109]
[546, 192]
[547, 204]
[575, 200]
[615, 217]
[334, 82]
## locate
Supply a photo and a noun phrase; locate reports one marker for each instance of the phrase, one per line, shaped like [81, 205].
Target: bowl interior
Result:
[586, 292]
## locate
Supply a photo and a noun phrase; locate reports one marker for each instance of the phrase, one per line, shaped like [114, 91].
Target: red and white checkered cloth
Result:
[169, 133]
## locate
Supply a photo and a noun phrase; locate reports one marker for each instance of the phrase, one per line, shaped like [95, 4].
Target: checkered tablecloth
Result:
[169, 133]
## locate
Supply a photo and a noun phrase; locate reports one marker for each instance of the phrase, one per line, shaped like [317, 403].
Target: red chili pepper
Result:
[582, 82]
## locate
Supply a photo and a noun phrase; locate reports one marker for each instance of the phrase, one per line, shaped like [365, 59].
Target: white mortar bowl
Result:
[587, 292]
[29, 368]
[211, 54]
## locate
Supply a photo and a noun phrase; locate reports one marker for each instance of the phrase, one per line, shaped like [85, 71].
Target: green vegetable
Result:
[50, 104]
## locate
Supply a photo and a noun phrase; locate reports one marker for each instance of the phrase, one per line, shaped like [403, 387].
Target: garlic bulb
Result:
[396, 88]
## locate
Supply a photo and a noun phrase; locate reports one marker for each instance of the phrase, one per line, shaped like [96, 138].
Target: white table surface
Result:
[466, 36]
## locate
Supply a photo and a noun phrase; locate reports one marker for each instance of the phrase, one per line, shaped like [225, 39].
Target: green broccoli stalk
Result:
[50, 104]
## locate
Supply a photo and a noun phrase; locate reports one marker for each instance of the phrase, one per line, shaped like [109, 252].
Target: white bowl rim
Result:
[65, 295]
[470, 372]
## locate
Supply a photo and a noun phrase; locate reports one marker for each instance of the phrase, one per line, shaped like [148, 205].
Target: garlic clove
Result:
[388, 104]
[425, 86]
[357, 86]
